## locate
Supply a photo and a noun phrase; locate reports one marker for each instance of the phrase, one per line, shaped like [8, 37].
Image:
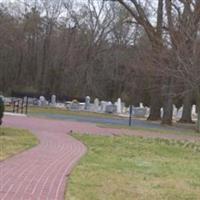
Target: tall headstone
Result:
[175, 111]
[194, 109]
[42, 101]
[119, 106]
[194, 112]
[180, 112]
[141, 105]
[123, 108]
[87, 102]
[96, 104]
[53, 99]
[103, 106]
[110, 108]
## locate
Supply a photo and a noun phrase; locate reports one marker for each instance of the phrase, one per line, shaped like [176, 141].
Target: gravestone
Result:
[175, 111]
[76, 106]
[42, 101]
[161, 112]
[103, 106]
[194, 112]
[139, 112]
[179, 113]
[119, 106]
[87, 102]
[123, 108]
[53, 99]
[194, 109]
[148, 112]
[59, 105]
[141, 105]
[110, 108]
[96, 105]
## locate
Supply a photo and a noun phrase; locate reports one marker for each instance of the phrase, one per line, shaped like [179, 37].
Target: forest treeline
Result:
[141, 51]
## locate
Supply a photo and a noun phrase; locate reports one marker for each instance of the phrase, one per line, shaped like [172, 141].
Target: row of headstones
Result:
[43, 102]
[97, 106]
[177, 113]
[101, 106]
[117, 107]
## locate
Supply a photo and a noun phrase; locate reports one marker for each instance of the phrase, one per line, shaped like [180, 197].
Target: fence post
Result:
[18, 106]
[22, 106]
[130, 115]
[26, 105]
[13, 106]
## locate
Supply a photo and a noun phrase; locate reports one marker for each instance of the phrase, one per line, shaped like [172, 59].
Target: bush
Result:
[1, 109]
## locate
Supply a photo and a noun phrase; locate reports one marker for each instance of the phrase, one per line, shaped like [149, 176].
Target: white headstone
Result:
[42, 98]
[42, 101]
[175, 111]
[161, 112]
[96, 104]
[119, 105]
[194, 110]
[179, 113]
[103, 106]
[53, 99]
[87, 102]
[141, 105]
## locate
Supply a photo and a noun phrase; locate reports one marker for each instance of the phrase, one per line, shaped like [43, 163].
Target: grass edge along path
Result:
[187, 132]
[14, 141]
[129, 168]
[36, 110]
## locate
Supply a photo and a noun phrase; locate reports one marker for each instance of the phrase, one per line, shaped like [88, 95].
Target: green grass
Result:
[50, 110]
[184, 131]
[13, 141]
[129, 168]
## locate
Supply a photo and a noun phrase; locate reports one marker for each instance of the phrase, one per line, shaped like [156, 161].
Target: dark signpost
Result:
[26, 106]
[130, 115]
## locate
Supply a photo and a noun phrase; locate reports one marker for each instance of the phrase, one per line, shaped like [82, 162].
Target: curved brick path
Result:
[40, 173]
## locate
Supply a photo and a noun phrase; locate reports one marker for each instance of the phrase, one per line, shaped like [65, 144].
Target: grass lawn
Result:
[130, 168]
[49, 110]
[184, 131]
[13, 141]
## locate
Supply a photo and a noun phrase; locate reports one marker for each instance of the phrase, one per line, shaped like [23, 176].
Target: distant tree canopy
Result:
[141, 51]
[67, 51]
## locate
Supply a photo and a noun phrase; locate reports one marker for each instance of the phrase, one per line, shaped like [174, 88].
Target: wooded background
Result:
[141, 51]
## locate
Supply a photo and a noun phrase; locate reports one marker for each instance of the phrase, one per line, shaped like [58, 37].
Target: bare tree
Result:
[183, 26]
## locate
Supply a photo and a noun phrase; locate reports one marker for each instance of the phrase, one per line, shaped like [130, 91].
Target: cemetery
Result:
[99, 100]
[118, 108]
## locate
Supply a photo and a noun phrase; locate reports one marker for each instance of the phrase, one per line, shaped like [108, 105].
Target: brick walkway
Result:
[40, 173]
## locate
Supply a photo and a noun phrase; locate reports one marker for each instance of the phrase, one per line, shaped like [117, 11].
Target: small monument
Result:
[42, 101]
[53, 99]
[119, 106]
[141, 105]
[103, 106]
[96, 105]
[87, 102]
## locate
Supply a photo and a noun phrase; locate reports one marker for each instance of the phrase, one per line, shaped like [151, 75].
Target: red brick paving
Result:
[40, 173]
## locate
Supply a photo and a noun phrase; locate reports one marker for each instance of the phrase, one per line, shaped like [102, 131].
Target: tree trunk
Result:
[155, 113]
[198, 112]
[198, 120]
[167, 102]
[187, 108]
